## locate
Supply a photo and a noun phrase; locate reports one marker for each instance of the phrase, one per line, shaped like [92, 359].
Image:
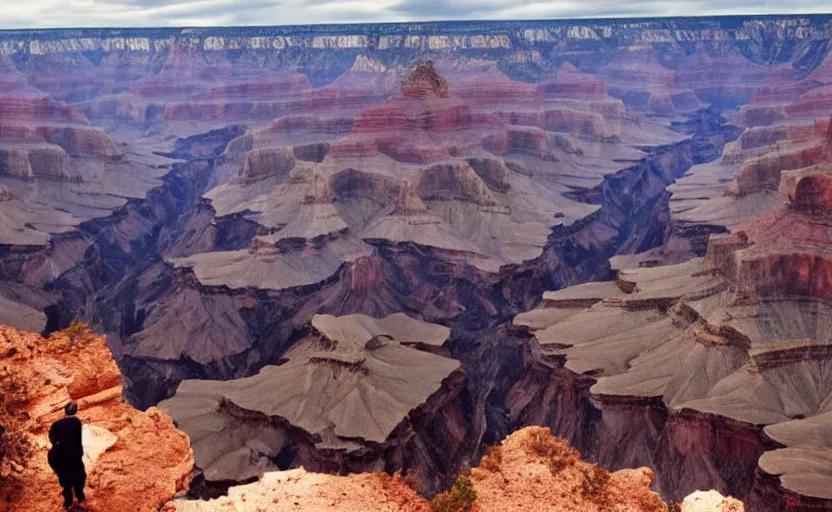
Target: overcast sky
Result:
[150, 13]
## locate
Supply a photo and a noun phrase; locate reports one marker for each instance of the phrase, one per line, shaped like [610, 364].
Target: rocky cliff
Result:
[356, 394]
[134, 460]
[201, 195]
[724, 352]
[530, 469]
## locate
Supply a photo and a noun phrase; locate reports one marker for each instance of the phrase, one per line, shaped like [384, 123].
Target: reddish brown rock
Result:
[421, 124]
[533, 470]
[530, 470]
[497, 89]
[764, 172]
[147, 462]
[788, 255]
[300, 123]
[701, 354]
[811, 102]
[761, 115]
[809, 190]
[571, 82]
[267, 162]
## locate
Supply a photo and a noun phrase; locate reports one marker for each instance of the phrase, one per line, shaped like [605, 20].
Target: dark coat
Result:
[65, 456]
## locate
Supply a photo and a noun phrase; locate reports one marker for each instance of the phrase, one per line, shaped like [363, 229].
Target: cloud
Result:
[149, 13]
[440, 9]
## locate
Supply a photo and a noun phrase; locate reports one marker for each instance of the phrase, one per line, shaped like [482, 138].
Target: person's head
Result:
[71, 408]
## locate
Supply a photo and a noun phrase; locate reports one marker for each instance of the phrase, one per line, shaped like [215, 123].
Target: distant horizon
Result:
[172, 14]
[417, 22]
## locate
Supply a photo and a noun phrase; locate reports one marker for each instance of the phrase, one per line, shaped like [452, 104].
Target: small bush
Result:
[554, 451]
[77, 331]
[411, 480]
[493, 459]
[465, 469]
[651, 502]
[595, 481]
[460, 498]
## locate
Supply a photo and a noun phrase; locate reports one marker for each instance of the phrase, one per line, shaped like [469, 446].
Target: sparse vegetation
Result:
[460, 498]
[15, 445]
[492, 459]
[78, 330]
[411, 479]
[595, 482]
[465, 469]
[554, 451]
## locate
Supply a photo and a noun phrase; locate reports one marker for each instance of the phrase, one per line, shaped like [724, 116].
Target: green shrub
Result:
[460, 498]
[77, 331]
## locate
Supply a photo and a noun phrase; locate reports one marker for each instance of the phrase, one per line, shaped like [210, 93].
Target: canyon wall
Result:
[206, 196]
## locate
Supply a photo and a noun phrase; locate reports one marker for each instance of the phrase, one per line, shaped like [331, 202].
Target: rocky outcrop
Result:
[134, 460]
[262, 163]
[443, 142]
[799, 466]
[709, 350]
[298, 490]
[719, 195]
[809, 191]
[33, 125]
[388, 402]
[410, 126]
[764, 172]
[710, 501]
[529, 469]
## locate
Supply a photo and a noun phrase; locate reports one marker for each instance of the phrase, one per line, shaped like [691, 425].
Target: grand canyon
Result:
[380, 249]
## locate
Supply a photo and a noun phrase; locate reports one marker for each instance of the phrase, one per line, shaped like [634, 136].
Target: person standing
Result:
[66, 455]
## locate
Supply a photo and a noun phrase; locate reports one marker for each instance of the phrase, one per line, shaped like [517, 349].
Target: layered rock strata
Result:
[57, 169]
[434, 165]
[355, 394]
[362, 179]
[737, 339]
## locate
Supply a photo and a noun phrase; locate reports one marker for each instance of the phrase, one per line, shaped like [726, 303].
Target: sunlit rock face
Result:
[134, 460]
[516, 475]
[204, 195]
